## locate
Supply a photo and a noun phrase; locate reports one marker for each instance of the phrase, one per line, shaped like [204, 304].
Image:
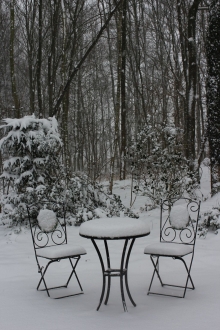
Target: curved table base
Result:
[109, 272]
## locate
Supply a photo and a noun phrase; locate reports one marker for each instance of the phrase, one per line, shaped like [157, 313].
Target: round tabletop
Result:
[114, 228]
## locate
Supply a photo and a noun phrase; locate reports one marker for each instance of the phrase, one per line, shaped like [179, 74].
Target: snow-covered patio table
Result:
[113, 229]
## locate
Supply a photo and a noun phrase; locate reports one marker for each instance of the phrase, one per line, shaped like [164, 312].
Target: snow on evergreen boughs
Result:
[87, 201]
[209, 220]
[158, 166]
[29, 145]
[33, 168]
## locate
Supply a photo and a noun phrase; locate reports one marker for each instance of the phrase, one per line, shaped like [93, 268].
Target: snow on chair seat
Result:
[60, 251]
[168, 249]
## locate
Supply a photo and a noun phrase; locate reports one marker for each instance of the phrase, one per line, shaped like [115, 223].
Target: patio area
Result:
[22, 307]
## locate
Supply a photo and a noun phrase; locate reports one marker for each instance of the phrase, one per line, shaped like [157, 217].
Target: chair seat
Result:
[168, 249]
[60, 251]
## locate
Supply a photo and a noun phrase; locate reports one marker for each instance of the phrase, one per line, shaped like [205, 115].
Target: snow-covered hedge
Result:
[88, 200]
[209, 220]
[158, 166]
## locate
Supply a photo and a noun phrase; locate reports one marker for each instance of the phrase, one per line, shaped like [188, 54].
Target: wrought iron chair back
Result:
[185, 234]
[49, 235]
[178, 231]
[41, 238]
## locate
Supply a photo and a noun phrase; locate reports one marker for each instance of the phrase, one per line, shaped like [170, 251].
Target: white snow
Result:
[168, 249]
[8, 207]
[47, 125]
[179, 216]
[60, 251]
[10, 162]
[114, 227]
[47, 220]
[40, 187]
[214, 202]
[39, 160]
[22, 307]
[99, 213]
[24, 122]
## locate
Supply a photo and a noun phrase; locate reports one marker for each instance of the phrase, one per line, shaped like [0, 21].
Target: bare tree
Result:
[12, 59]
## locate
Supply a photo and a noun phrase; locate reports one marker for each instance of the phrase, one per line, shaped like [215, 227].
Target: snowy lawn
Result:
[22, 307]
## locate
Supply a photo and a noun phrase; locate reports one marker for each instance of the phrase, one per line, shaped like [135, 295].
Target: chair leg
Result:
[188, 277]
[156, 270]
[61, 286]
[42, 277]
[73, 271]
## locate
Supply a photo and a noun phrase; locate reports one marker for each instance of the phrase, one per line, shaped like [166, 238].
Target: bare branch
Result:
[76, 69]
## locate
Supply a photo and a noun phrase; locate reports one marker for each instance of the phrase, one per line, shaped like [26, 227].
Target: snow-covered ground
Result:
[22, 307]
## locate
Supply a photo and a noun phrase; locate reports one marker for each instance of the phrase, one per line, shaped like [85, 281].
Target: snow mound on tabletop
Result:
[114, 228]
[47, 220]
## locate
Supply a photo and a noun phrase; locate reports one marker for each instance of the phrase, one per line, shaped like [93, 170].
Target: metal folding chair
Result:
[49, 236]
[178, 231]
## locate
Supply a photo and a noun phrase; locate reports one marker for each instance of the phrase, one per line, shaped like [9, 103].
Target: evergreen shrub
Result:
[158, 167]
[33, 173]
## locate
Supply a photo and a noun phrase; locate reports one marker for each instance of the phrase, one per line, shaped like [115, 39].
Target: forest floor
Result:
[23, 308]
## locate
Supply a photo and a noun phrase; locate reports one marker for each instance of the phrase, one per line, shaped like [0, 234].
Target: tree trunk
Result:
[12, 60]
[192, 80]
[189, 62]
[123, 91]
[39, 58]
[213, 93]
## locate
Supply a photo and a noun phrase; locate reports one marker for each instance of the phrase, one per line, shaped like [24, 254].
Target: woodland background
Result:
[104, 69]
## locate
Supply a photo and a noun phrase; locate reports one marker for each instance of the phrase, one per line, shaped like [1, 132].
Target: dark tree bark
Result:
[39, 57]
[213, 92]
[189, 61]
[51, 68]
[192, 79]
[12, 60]
[123, 90]
[30, 15]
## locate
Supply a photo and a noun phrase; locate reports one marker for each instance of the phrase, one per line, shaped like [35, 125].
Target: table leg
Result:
[123, 271]
[122, 274]
[126, 274]
[109, 276]
[103, 270]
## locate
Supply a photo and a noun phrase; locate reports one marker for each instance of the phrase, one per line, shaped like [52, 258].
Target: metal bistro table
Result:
[114, 229]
